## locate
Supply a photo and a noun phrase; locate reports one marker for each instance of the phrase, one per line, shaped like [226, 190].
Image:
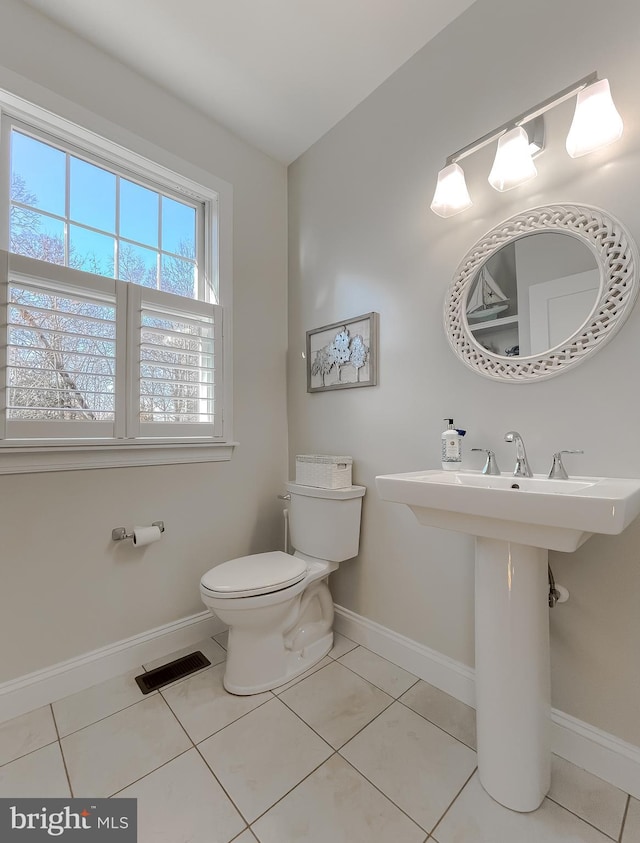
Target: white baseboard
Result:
[601, 753]
[53, 683]
[450, 676]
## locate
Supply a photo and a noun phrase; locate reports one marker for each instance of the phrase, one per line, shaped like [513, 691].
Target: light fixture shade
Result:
[451, 196]
[513, 164]
[596, 123]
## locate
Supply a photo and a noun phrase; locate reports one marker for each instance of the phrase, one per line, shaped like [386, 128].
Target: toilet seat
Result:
[249, 576]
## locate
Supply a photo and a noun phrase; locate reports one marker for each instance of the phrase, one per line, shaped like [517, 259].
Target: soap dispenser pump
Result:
[452, 447]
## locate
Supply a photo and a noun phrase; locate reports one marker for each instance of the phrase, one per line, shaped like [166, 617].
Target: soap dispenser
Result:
[452, 447]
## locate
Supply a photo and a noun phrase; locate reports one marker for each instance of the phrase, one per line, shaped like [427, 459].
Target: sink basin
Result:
[535, 511]
[516, 521]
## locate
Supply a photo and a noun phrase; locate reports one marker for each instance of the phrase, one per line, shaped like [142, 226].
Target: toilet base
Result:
[297, 662]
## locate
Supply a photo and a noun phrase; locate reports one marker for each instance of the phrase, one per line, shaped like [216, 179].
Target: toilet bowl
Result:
[278, 606]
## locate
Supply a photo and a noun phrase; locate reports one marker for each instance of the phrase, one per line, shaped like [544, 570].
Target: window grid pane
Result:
[121, 235]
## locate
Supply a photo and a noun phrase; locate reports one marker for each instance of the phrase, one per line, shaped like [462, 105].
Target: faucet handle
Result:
[491, 465]
[558, 471]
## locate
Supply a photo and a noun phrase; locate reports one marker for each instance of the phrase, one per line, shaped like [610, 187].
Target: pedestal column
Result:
[513, 705]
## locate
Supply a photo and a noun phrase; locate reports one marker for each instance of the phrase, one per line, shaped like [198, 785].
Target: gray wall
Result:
[66, 588]
[362, 238]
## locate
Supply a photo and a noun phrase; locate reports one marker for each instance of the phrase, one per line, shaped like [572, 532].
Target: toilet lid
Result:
[260, 573]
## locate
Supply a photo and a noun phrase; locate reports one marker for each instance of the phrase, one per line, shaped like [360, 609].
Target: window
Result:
[111, 299]
[67, 210]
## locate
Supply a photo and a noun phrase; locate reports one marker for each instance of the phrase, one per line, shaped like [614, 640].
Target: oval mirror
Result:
[541, 291]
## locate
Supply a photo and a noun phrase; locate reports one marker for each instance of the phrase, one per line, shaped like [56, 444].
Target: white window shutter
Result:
[175, 366]
[60, 352]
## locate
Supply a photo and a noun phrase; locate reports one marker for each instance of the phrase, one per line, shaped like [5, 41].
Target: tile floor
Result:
[355, 751]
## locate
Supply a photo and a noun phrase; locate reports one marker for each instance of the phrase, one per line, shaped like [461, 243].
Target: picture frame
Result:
[343, 355]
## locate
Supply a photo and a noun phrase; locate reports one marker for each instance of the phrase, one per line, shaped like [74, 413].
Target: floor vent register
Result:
[166, 673]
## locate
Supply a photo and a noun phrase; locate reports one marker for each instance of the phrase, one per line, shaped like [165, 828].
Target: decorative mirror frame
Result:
[618, 261]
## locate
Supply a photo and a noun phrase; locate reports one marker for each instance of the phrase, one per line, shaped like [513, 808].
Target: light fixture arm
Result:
[525, 117]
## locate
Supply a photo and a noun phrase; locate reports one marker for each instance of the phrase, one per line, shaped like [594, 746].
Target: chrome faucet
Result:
[522, 468]
[491, 465]
[558, 471]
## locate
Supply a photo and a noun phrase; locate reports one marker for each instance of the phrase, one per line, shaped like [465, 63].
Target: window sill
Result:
[18, 458]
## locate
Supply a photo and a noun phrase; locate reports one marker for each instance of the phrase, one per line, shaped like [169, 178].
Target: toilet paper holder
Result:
[119, 534]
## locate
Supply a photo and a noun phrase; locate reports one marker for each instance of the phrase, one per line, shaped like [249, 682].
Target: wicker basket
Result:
[326, 472]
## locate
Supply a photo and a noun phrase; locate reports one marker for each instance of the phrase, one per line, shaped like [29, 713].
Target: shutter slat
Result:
[61, 354]
[53, 333]
[69, 371]
[178, 382]
[64, 313]
[162, 333]
[64, 351]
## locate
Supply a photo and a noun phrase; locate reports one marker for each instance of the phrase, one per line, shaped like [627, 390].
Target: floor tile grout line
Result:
[220, 644]
[577, 816]
[177, 719]
[107, 716]
[334, 751]
[291, 789]
[386, 796]
[448, 808]
[169, 760]
[346, 638]
[373, 685]
[31, 751]
[59, 738]
[373, 719]
[64, 760]
[144, 775]
[195, 746]
[424, 717]
[224, 789]
[175, 682]
[157, 692]
[377, 655]
[624, 818]
[455, 737]
[308, 725]
[298, 679]
[337, 749]
[217, 731]
[371, 682]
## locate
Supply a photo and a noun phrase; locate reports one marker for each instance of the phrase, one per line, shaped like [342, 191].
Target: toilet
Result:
[278, 606]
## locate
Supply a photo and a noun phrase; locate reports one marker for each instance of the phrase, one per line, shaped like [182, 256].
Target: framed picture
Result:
[343, 355]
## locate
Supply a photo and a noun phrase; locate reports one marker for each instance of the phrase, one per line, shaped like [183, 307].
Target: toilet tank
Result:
[325, 523]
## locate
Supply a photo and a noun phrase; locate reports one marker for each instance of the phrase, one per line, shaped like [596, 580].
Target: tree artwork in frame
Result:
[343, 355]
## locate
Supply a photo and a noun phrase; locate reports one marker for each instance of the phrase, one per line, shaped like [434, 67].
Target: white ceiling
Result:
[279, 73]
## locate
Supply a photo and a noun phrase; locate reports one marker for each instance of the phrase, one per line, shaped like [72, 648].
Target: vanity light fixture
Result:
[596, 123]
[513, 164]
[451, 194]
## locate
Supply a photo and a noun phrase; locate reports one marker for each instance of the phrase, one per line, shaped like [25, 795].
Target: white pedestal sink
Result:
[516, 520]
